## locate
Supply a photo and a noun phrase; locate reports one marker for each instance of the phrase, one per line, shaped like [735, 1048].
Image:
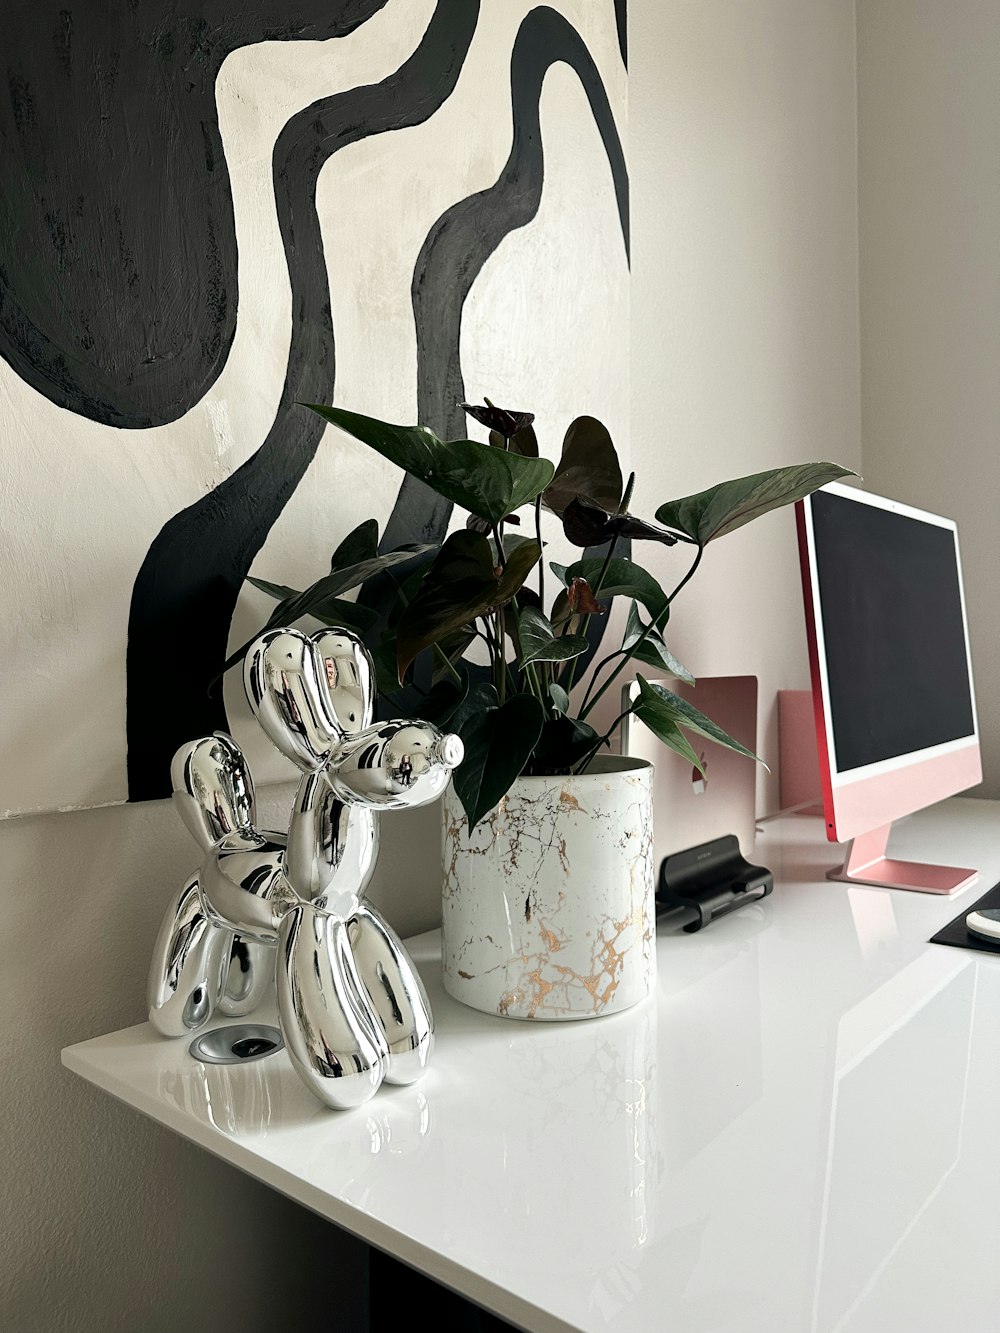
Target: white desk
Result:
[800, 1132]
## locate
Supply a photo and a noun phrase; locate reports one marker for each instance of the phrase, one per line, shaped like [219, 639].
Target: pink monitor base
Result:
[866, 863]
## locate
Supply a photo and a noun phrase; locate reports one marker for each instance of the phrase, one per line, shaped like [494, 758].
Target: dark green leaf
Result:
[321, 598]
[278, 591]
[444, 699]
[408, 588]
[588, 466]
[561, 612]
[528, 597]
[520, 563]
[482, 696]
[559, 571]
[523, 442]
[538, 642]
[659, 702]
[651, 649]
[498, 743]
[662, 723]
[384, 657]
[511, 541]
[622, 578]
[333, 611]
[460, 585]
[726, 507]
[349, 615]
[361, 544]
[454, 648]
[337, 582]
[487, 482]
[564, 742]
[559, 697]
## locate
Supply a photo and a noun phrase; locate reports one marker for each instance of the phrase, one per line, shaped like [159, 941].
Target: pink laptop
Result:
[689, 810]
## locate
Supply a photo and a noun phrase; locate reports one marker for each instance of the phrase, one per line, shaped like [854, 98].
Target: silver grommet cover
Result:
[237, 1044]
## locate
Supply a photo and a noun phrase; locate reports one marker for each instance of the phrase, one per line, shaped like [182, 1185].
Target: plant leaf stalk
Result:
[585, 620]
[656, 622]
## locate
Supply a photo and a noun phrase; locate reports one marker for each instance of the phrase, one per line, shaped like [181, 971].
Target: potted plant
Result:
[547, 900]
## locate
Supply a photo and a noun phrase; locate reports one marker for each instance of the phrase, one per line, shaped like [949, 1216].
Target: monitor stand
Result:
[866, 863]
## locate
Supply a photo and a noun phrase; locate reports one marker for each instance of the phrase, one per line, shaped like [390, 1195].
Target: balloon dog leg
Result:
[396, 992]
[187, 972]
[328, 1028]
[249, 973]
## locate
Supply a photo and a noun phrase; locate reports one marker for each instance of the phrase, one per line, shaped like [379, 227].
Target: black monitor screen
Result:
[891, 609]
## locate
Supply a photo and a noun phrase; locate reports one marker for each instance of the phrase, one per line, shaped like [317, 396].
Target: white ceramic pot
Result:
[548, 909]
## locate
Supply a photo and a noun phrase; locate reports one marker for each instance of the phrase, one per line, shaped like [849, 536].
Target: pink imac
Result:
[891, 672]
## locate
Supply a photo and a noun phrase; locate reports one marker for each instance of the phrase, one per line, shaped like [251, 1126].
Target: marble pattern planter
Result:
[548, 910]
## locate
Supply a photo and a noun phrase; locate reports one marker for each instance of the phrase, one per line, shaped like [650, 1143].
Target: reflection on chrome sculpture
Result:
[289, 906]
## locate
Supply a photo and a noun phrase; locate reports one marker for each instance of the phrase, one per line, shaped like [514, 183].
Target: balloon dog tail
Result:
[197, 965]
[213, 789]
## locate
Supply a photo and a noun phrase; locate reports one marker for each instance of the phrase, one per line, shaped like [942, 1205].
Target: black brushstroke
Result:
[621, 19]
[457, 248]
[118, 263]
[189, 582]
[464, 238]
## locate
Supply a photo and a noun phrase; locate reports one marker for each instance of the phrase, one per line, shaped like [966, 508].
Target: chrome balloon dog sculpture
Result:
[289, 907]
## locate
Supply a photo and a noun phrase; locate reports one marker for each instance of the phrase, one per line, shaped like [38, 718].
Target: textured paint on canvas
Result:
[209, 218]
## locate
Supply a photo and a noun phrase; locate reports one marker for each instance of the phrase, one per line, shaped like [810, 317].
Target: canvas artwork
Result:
[216, 210]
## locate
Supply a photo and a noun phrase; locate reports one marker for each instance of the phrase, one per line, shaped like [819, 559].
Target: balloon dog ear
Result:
[285, 678]
[213, 789]
[350, 677]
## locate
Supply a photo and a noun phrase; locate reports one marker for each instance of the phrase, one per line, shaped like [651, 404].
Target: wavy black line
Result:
[118, 263]
[621, 20]
[186, 590]
[464, 238]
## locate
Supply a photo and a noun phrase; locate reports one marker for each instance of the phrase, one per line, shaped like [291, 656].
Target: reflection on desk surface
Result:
[901, 1077]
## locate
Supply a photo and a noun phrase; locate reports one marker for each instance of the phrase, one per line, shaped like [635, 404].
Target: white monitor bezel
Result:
[899, 762]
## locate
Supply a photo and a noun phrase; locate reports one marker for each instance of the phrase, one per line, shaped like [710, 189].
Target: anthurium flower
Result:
[588, 524]
[581, 599]
[501, 419]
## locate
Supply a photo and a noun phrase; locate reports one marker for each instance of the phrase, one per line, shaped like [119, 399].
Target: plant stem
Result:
[439, 652]
[597, 671]
[534, 683]
[501, 672]
[604, 568]
[489, 634]
[541, 559]
[444, 659]
[585, 620]
[653, 624]
[582, 766]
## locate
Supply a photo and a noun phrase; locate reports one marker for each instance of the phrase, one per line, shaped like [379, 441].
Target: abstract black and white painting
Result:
[212, 211]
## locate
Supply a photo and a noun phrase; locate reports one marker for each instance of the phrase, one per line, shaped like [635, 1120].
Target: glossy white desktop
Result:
[800, 1131]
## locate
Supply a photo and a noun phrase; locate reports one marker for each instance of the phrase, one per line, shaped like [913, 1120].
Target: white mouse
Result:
[985, 922]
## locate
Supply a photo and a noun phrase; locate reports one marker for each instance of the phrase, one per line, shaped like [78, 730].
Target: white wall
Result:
[744, 357]
[744, 300]
[929, 186]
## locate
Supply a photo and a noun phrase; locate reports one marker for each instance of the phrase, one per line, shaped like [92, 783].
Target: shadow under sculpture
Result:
[289, 907]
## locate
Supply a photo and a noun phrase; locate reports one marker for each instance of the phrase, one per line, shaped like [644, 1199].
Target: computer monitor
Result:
[891, 670]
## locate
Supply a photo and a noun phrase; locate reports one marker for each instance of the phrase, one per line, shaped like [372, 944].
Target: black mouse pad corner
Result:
[957, 934]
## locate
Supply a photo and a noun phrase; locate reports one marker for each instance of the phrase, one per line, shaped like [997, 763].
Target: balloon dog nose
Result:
[449, 751]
